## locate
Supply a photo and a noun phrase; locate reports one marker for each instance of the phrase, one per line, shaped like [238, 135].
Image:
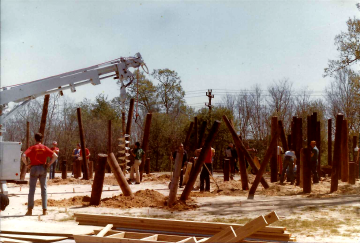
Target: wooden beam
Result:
[282, 136]
[273, 159]
[176, 176]
[187, 139]
[298, 146]
[202, 134]
[196, 132]
[83, 146]
[114, 165]
[307, 171]
[98, 182]
[352, 173]
[337, 153]
[105, 230]
[145, 143]
[44, 116]
[329, 142]
[344, 152]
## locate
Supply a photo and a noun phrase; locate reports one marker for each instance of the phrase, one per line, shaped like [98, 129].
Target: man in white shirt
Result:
[289, 161]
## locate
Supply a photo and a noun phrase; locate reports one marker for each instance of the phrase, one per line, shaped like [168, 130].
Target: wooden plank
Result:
[138, 235]
[150, 238]
[271, 217]
[256, 162]
[187, 172]
[249, 229]
[8, 240]
[189, 240]
[87, 238]
[36, 238]
[227, 231]
[105, 230]
[117, 235]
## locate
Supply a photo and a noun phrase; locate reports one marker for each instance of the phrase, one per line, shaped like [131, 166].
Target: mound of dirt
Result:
[157, 178]
[68, 181]
[143, 198]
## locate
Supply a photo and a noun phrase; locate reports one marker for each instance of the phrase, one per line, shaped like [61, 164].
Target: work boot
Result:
[45, 212]
[29, 212]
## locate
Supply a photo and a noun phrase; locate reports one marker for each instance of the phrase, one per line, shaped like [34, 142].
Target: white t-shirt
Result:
[290, 153]
[279, 150]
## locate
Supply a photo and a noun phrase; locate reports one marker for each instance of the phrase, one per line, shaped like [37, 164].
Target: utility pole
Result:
[211, 96]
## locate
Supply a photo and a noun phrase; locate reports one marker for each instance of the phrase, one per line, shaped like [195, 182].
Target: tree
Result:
[170, 93]
[348, 44]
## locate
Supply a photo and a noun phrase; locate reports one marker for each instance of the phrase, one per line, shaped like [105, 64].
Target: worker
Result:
[138, 154]
[75, 155]
[279, 158]
[183, 163]
[38, 166]
[289, 161]
[232, 155]
[207, 167]
[53, 166]
[314, 161]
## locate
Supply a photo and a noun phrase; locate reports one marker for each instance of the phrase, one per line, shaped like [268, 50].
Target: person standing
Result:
[53, 165]
[289, 161]
[232, 155]
[75, 155]
[207, 167]
[38, 155]
[137, 153]
[314, 161]
[183, 164]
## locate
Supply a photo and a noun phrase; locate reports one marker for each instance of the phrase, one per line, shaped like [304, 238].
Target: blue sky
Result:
[219, 45]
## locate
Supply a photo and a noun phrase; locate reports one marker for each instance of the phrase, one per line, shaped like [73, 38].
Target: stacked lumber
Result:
[190, 228]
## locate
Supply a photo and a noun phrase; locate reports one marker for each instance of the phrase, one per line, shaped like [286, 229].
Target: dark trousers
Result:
[314, 172]
[205, 177]
[288, 163]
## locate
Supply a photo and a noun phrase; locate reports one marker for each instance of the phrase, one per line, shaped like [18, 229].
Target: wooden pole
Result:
[329, 142]
[187, 139]
[147, 166]
[243, 171]
[91, 169]
[196, 131]
[44, 115]
[130, 115]
[98, 180]
[197, 168]
[307, 171]
[298, 147]
[82, 143]
[318, 145]
[175, 179]
[63, 170]
[268, 155]
[352, 173]
[145, 143]
[289, 141]
[282, 136]
[240, 146]
[337, 154]
[355, 139]
[109, 148]
[114, 165]
[344, 152]
[78, 169]
[273, 161]
[27, 145]
[293, 134]
[226, 169]
[201, 134]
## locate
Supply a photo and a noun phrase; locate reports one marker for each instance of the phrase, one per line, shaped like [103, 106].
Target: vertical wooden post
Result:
[243, 171]
[352, 173]
[318, 145]
[130, 115]
[355, 139]
[145, 143]
[307, 171]
[109, 147]
[27, 145]
[240, 146]
[197, 168]
[78, 169]
[282, 136]
[147, 166]
[175, 180]
[63, 170]
[91, 168]
[344, 152]
[196, 131]
[301, 167]
[187, 139]
[82, 143]
[201, 134]
[293, 134]
[44, 115]
[289, 141]
[269, 153]
[98, 180]
[273, 161]
[226, 169]
[337, 153]
[329, 142]
[114, 165]
[299, 144]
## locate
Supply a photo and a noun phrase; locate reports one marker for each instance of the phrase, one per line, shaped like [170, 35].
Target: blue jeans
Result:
[52, 170]
[37, 171]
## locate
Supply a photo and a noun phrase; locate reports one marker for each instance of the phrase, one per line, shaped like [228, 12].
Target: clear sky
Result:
[219, 45]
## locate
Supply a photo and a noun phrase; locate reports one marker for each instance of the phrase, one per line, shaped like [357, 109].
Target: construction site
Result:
[242, 128]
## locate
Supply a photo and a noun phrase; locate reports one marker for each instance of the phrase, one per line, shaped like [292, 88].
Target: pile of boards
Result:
[164, 230]
[23, 237]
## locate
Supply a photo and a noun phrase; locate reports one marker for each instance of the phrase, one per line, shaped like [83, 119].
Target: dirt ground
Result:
[315, 217]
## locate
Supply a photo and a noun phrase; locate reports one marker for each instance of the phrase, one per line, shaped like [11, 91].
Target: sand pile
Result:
[157, 178]
[143, 198]
[68, 181]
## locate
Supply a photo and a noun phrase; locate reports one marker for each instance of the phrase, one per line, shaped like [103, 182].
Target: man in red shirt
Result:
[38, 166]
[53, 165]
[205, 176]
